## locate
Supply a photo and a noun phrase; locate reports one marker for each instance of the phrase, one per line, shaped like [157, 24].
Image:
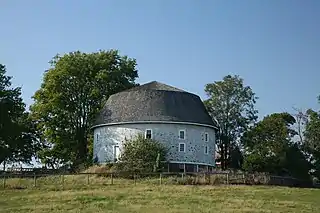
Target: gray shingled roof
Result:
[154, 101]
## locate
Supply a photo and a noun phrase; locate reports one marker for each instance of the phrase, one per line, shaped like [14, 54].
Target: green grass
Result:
[148, 196]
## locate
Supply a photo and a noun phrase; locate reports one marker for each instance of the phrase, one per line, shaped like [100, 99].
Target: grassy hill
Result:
[150, 197]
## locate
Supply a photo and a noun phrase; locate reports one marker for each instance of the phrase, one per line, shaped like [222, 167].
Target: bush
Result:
[141, 155]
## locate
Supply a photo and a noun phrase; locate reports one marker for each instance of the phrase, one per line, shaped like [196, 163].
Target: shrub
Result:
[141, 155]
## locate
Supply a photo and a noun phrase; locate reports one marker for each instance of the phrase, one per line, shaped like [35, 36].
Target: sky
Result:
[273, 45]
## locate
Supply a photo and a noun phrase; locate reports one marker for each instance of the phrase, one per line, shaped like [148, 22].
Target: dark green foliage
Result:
[231, 103]
[269, 148]
[73, 91]
[17, 134]
[236, 158]
[312, 139]
[142, 155]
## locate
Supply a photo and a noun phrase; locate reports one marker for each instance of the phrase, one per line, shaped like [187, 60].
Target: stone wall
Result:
[106, 137]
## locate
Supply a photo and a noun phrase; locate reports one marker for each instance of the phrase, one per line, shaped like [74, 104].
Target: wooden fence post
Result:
[111, 178]
[88, 179]
[160, 179]
[227, 178]
[134, 179]
[62, 181]
[35, 180]
[4, 181]
[244, 178]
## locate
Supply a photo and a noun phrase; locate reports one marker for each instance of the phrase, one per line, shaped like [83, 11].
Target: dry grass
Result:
[149, 196]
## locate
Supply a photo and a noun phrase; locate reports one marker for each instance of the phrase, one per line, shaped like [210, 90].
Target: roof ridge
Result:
[156, 85]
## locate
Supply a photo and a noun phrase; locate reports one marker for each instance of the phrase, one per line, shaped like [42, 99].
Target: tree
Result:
[231, 103]
[73, 91]
[142, 155]
[269, 147]
[312, 139]
[17, 139]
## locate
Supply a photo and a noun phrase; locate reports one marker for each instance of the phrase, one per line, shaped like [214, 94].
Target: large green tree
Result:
[312, 139]
[269, 147]
[17, 139]
[232, 104]
[74, 89]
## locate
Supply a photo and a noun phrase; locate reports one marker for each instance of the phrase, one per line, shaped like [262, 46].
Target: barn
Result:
[174, 117]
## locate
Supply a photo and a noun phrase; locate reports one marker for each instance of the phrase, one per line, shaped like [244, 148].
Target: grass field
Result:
[150, 197]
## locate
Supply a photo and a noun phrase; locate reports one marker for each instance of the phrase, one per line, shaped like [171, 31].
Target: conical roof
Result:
[154, 101]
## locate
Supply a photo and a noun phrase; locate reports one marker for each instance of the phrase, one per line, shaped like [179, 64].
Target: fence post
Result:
[227, 178]
[111, 178]
[62, 181]
[4, 181]
[160, 179]
[35, 180]
[182, 176]
[244, 178]
[134, 179]
[88, 179]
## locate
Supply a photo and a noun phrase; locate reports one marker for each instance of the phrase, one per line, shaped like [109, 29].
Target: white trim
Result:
[203, 164]
[206, 134]
[160, 122]
[184, 147]
[115, 159]
[184, 134]
[145, 133]
[206, 153]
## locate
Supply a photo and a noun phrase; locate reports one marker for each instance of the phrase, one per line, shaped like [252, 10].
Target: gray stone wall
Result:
[106, 137]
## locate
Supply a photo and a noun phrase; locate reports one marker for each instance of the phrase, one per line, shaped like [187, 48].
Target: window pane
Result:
[181, 134]
[206, 137]
[181, 147]
[148, 134]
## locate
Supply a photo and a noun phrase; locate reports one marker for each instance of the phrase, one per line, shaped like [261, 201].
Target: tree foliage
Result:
[74, 89]
[269, 147]
[232, 104]
[142, 155]
[17, 139]
[312, 139]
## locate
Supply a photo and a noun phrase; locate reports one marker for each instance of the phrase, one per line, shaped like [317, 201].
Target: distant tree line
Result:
[56, 129]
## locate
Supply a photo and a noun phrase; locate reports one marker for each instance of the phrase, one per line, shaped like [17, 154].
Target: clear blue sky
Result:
[274, 45]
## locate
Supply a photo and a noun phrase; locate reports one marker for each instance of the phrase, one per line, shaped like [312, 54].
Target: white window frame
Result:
[206, 134]
[184, 147]
[206, 153]
[145, 133]
[184, 134]
[115, 159]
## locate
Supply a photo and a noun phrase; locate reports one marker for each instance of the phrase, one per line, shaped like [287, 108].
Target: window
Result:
[182, 134]
[148, 134]
[182, 147]
[206, 137]
[97, 137]
[206, 150]
[116, 153]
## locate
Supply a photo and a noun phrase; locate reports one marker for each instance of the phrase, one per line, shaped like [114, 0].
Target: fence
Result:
[68, 181]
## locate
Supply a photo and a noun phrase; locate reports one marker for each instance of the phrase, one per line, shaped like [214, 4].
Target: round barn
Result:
[174, 117]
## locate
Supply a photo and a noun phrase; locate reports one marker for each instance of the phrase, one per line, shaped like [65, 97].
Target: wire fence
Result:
[69, 181]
